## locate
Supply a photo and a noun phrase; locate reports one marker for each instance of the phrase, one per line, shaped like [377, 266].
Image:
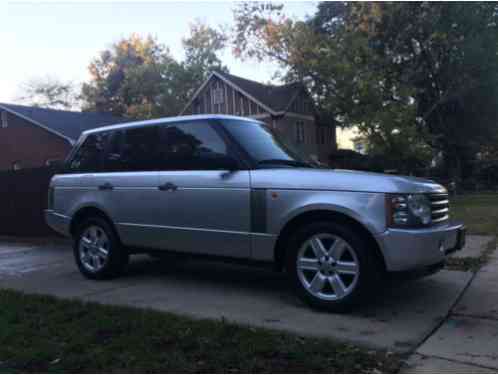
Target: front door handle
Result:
[168, 186]
[106, 186]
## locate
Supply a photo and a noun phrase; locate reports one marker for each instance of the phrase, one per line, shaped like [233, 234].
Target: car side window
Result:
[133, 150]
[88, 157]
[192, 146]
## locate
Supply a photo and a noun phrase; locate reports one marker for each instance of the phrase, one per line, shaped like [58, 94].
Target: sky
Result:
[59, 39]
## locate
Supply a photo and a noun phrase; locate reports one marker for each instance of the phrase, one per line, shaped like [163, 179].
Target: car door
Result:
[129, 183]
[204, 207]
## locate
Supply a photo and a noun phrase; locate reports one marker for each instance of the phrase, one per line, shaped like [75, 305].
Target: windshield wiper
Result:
[290, 163]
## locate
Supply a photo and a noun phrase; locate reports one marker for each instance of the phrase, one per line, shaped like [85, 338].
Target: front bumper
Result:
[59, 223]
[408, 249]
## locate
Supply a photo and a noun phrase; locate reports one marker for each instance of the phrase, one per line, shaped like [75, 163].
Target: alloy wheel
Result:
[94, 248]
[327, 267]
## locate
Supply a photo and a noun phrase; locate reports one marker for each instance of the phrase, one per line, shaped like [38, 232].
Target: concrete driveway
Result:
[400, 318]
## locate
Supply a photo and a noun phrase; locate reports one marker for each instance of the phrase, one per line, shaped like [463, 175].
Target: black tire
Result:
[117, 258]
[367, 278]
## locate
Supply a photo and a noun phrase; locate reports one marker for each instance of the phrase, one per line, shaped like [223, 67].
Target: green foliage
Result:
[49, 93]
[137, 77]
[41, 334]
[127, 78]
[201, 50]
[446, 53]
[416, 78]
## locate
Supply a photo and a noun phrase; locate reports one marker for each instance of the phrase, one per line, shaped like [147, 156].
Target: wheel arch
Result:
[88, 211]
[323, 215]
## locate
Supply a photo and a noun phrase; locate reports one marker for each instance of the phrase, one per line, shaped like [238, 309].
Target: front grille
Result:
[440, 206]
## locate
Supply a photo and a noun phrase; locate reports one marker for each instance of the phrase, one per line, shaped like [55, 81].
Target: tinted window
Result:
[134, 149]
[192, 146]
[262, 143]
[89, 156]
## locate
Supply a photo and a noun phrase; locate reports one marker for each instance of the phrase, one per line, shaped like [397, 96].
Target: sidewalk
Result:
[467, 342]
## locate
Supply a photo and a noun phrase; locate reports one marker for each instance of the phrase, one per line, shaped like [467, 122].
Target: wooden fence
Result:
[23, 197]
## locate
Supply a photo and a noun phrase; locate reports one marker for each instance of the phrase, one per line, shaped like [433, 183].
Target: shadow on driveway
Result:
[398, 318]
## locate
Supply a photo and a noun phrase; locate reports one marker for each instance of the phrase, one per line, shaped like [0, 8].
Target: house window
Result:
[4, 120]
[16, 165]
[242, 106]
[218, 97]
[300, 131]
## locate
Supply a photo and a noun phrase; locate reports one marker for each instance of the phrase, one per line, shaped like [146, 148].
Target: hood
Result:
[340, 180]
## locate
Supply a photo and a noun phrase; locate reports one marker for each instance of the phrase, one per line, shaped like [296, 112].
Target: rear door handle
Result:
[106, 186]
[168, 186]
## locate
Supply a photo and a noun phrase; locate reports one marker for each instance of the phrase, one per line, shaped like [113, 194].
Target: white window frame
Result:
[241, 103]
[218, 96]
[5, 122]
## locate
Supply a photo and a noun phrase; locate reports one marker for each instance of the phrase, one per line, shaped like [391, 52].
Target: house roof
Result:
[67, 124]
[277, 98]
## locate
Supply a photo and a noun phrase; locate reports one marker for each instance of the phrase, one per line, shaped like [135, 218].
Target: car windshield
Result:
[266, 146]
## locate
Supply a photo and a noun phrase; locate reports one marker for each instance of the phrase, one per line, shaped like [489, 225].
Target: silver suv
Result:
[230, 187]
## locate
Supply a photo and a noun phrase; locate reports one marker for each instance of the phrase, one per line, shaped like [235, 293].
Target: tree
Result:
[137, 77]
[446, 52]
[202, 48]
[325, 54]
[128, 79]
[421, 71]
[49, 93]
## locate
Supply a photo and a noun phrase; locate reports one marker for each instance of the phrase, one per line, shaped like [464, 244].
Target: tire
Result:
[95, 236]
[336, 282]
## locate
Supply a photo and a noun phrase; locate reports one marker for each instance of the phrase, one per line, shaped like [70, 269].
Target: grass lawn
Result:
[479, 212]
[45, 334]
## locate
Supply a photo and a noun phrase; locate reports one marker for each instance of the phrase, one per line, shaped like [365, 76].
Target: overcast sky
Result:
[59, 39]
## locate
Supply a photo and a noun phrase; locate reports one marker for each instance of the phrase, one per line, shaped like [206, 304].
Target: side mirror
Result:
[229, 163]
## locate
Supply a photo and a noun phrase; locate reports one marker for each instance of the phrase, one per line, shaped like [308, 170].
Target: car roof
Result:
[165, 120]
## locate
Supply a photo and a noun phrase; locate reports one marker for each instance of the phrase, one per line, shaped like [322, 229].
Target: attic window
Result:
[218, 96]
[5, 123]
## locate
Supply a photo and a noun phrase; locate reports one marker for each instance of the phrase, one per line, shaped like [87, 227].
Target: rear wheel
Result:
[330, 266]
[98, 251]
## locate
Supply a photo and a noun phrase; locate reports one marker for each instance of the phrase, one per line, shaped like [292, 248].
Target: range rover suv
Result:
[230, 187]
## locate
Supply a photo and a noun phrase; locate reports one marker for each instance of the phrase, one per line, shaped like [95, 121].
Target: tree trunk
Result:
[453, 162]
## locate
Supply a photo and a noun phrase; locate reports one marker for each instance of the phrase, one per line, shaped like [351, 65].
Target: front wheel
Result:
[331, 266]
[98, 251]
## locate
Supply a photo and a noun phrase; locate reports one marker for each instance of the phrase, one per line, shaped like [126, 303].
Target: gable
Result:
[301, 104]
[268, 99]
[220, 96]
[274, 97]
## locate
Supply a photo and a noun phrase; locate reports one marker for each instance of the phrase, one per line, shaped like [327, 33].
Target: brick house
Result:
[33, 137]
[287, 108]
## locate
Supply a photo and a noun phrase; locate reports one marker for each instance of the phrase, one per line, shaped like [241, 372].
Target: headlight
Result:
[408, 210]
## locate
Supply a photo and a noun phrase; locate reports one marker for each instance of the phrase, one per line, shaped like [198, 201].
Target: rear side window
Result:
[88, 157]
[182, 146]
[192, 146]
[133, 150]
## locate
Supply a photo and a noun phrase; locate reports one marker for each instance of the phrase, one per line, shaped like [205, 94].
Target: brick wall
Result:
[29, 145]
